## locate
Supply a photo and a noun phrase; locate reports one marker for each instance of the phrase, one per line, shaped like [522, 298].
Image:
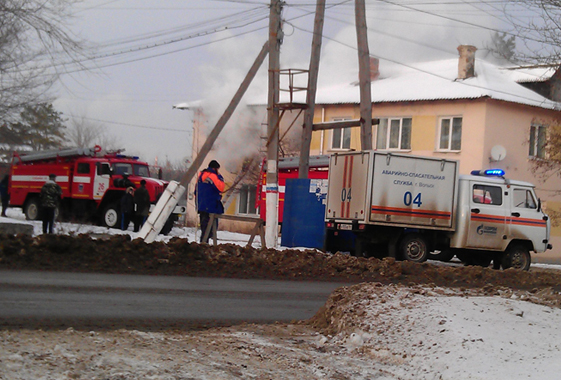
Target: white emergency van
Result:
[413, 208]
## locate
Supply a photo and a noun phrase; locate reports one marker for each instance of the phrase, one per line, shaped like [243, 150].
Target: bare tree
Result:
[84, 133]
[502, 47]
[540, 33]
[34, 47]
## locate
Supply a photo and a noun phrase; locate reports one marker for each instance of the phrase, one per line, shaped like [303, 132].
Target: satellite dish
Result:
[498, 153]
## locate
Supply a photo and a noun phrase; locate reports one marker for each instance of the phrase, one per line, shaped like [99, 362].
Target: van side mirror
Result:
[539, 205]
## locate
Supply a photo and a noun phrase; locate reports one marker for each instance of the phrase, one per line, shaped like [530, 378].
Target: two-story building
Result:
[463, 109]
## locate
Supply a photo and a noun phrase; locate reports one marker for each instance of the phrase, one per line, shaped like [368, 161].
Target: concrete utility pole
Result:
[273, 119]
[364, 76]
[311, 94]
[165, 205]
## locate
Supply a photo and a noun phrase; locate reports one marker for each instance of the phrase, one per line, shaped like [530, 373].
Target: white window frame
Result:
[343, 132]
[537, 146]
[384, 138]
[450, 141]
[251, 190]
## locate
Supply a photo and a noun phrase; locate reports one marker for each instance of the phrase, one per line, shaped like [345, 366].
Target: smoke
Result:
[397, 36]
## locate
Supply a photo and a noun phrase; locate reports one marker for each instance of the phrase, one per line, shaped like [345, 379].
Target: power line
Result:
[461, 21]
[421, 70]
[130, 125]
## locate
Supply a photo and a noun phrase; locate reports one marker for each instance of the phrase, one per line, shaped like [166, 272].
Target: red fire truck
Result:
[288, 168]
[92, 183]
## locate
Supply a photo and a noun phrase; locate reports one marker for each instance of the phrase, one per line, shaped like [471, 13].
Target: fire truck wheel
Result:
[414, 248]
[110, 216]
[32, 209]
[517, 256]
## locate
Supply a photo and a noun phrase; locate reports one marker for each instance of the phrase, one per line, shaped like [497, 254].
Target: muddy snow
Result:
[400, 321]
[367, 331]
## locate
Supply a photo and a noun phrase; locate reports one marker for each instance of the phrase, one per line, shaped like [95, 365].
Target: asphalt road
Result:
[84, 301]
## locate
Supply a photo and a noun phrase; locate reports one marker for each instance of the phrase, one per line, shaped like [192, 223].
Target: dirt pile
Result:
[120, 254]
[344, 310]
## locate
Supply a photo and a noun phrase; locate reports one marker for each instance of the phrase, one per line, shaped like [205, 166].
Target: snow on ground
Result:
[367, 331]
[392, 333]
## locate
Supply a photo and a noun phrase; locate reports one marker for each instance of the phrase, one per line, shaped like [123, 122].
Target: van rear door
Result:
[347, 189]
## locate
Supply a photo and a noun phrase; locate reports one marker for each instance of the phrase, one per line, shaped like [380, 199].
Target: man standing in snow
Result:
[127, 208]
[210, 185]
[142, 202]
[50, 199]
[4, 193]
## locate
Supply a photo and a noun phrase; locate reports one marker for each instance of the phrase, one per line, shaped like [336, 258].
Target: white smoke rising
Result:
[396, 35]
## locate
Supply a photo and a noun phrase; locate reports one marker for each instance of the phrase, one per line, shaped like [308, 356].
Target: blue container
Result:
[304, 212]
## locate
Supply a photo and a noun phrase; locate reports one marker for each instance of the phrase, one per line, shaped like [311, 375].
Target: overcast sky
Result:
[152, 54]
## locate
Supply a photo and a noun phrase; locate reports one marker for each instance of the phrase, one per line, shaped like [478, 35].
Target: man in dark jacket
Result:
[142, 202]
[210, 185]
[50, 199]
[4, 193]
[127, 208]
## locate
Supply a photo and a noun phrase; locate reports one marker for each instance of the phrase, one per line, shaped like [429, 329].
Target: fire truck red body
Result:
[92, 182]
[288, 168]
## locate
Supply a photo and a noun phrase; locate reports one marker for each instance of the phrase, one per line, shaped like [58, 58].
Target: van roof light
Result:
[489, 172]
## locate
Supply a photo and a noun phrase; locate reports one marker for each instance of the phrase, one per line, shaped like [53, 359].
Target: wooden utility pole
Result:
[364, 76]
[198, 161]
[273, 119]
[311, 93]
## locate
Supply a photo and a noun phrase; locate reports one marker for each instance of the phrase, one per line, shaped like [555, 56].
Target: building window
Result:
[450, 134]
[537, 141]
[246, 199]
[394, 134]
[341, 137]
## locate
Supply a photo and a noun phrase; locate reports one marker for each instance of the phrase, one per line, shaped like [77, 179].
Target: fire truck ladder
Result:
[55, 153]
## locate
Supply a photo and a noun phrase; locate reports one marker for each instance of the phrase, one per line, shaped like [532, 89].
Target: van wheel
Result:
[111, 216]
[414, 248]
[518, 257]
[361, 247]
[444, 256]
[32, 209]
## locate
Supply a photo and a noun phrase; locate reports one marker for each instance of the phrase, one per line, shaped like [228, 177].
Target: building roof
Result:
[432, 81]
[436, 80]
[532, 74]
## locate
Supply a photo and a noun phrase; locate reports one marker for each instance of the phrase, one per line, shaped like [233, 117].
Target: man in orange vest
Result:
[210, 186]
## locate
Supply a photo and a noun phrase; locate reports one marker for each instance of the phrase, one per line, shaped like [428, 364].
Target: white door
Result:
[526, 222]
[101, 181]
[488, 219]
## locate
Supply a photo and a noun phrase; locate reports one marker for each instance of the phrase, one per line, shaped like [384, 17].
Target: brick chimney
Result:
[374, 68]
[466, 63]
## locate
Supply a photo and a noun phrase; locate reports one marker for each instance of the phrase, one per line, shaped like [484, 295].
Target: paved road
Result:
[78, 300]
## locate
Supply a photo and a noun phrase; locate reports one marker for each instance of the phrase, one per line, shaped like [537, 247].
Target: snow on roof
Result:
[531, 74]
[436, 80]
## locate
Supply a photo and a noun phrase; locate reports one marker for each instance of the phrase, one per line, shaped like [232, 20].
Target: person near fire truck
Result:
[4, 193]
[142, 203]
[210, 186]
[50, 199]
[127, 208]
